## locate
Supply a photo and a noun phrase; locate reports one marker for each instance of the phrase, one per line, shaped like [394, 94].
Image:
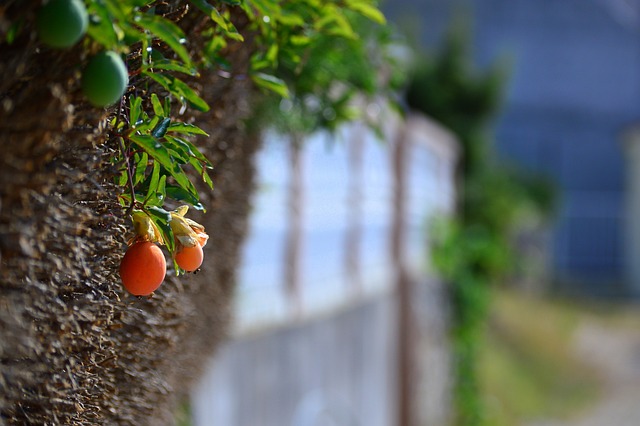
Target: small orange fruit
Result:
[143, 268]
[190, 258]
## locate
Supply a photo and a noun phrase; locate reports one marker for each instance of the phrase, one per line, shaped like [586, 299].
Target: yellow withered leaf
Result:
[144, 228]
[187, 232]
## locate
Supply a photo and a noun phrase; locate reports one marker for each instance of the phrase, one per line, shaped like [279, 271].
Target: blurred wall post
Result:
[355, 199]
[406, 322]
[426, 297]
[294, 246]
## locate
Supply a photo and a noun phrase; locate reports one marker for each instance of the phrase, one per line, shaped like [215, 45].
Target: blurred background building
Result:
[574, 90]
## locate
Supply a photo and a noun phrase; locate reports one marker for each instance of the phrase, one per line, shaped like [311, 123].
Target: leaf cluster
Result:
[336, 54]
[316, 54]
[155, 150]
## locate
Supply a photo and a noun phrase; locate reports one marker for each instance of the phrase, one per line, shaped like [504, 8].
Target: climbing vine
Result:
[474, 251]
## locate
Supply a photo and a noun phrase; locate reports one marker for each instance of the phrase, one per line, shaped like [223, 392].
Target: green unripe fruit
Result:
[61, 23]
[105, 79]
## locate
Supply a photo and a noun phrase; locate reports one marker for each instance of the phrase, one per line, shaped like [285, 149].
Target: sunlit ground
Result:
[550, 362]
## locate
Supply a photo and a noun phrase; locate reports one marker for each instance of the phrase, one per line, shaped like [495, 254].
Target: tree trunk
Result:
[75, 348]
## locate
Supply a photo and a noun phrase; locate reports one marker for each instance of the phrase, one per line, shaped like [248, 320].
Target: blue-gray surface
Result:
[575, 86]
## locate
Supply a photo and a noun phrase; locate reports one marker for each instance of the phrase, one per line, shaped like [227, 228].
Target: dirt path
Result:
[614, 353]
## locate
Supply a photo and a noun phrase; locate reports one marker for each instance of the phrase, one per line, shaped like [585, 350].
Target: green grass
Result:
[528, 368]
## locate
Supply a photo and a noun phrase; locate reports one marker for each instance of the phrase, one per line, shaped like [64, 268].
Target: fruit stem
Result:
[123, 152]
[129, 177]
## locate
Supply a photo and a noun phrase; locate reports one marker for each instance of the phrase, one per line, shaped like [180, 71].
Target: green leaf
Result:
[153, 182]
[192, 156]
[101, 25]
[190, 95]
[158, 152]
[179, 145]
[333, 22]
[179, 89]
[118, 10]
[161, 128]
[179, 194]
[160, 213]
[14, 29]
[145, 125]
[123, 177]
[135, 109]
[207, 179]
[193, 150]
[202, 171]
[272, 53]
[141, 167]
[272, 83]
[219, 19]
[367, 10]
[169, 65]
[158, 110]
[178, 153]
[161, 218]
[168, 32]
[167, 106]
[161, 190]
[233, 34]
[186, 128]
[259, 62]
[248, 10]
[214, 45]
[269, 8]
[212, 12]
[291, 19]
[299, 40]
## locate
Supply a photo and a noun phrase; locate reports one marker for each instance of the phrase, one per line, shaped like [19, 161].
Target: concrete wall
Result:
[339, 368]
[333, 369]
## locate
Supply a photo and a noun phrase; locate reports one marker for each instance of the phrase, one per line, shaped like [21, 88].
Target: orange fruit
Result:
[143, 268]
[190, 258]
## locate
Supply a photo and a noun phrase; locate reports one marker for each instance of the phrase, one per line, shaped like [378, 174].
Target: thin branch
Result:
[129, 177]
[123, 152]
